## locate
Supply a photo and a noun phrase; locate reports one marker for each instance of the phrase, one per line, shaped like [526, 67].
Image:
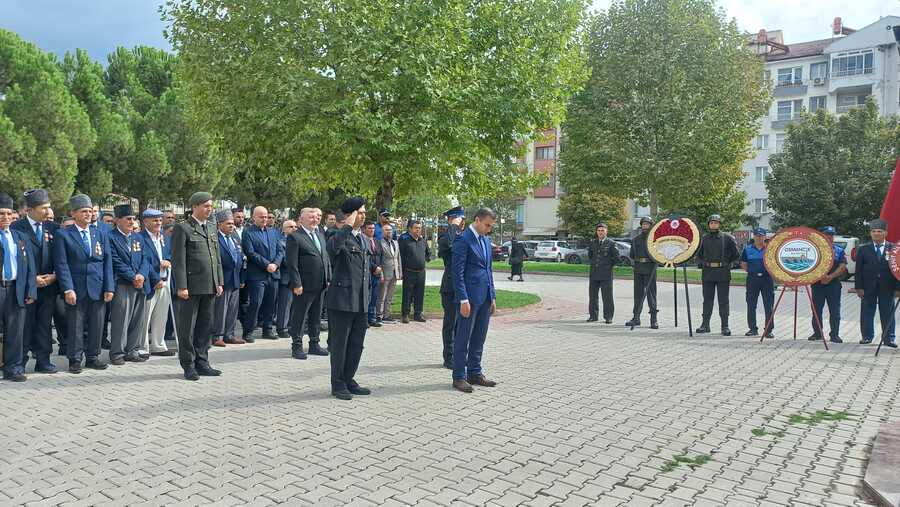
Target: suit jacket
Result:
[232, 261]
[89, 275]
[349, 289]
[391, 265]
[129, 259]
[603, 255]
[473, 276]
[375, 254]
[261, 248]
[445, 252]
[873, 273]
[307, 266]
[43, 249]
[196, 265]
[26, 283]
[154, 259]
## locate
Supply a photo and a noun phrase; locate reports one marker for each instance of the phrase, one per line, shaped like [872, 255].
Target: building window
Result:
[762, 173]
[520, 213]
[779, 143]
[852, 63]
[847, 102]
[791, 76]
[761, 205]
[544, 153]
[762, 142]
[816, 103]
[789, 109]
[818, 71]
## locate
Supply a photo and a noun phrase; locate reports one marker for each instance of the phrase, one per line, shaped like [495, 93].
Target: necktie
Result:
[87, 242]
[7, 257]
[878, 249]
[37, 232]
[315, 238]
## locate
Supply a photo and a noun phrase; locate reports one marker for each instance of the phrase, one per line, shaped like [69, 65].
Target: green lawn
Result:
[625, 272]
[505, 299]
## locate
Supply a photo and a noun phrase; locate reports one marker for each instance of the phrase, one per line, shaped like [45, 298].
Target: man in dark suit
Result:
[415, 254]
[375, 271]
[875, 285]
[40, 231]
[197, 270]
[285, 299]
[18, 290]
[473, 280]
[308, 273]
[83, 263]
[456, 219]
[603, 255]
[226, 313]
[264, 254]
[348, 301]
[131, 268]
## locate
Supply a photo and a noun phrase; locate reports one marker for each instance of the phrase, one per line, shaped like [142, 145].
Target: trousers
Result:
[193, 325]
[346, 334]
[759, 286]
[711, 292]
[413, 291]
[604, 288]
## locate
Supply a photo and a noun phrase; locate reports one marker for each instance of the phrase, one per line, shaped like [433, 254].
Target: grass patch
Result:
[819, 416]
[762, 432]
[505, 299]
[683, 459]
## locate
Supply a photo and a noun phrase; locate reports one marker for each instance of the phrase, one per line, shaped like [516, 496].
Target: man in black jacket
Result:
[456, 218]
[375, 272]
[348, 301]
[644, 276]
[309, 273]
[603, 255]
[717, 252]
[415, 254]
[875, 285]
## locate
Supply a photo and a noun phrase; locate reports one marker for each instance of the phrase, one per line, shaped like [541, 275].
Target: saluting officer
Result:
[644, 276]
[456, 218]
[759, 282]
[603, 255]
[718, 250]
[828, 289]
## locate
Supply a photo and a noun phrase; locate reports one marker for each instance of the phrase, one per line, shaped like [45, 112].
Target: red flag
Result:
[890, 210]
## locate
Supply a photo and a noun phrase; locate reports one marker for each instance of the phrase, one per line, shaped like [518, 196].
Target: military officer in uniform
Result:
[348, 300]
[456, 218]
[828, 290]
[603, 255]
[759, 283]
[197, 271]
[717, 251]
[644, 276]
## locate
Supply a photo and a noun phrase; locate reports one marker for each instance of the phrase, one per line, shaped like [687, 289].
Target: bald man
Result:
[264, 252]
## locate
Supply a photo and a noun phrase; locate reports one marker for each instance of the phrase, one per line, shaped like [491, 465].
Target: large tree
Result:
[671, 106]
[378, 97]
[834, 170]
[582, 211]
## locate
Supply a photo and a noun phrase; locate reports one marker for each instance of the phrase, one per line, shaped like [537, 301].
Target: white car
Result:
[553, 251]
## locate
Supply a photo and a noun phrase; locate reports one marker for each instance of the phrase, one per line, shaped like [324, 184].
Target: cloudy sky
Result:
[101, 25]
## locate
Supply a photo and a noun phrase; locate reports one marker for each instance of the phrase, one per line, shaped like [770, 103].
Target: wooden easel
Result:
[812, 306]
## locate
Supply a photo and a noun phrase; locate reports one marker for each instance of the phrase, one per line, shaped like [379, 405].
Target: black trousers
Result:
[194, 325]
[346, 334]
[604, 288]
[60, 324]
[38, 317]
[413, 291]
[450, 312]
[307, 307]
[644, 286]
[12, 323]
[710, 292]
[760, 286]
[85, 321]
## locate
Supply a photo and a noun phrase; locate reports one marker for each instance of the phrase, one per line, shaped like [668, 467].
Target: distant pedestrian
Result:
[516, 258]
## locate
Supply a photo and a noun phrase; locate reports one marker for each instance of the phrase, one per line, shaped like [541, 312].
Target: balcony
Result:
[781, 123]
[789, 89]
[846, 108]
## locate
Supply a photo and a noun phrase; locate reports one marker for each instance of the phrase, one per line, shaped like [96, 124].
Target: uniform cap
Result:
[759, 231]
[827, 230]
[384, 212]
[602, 224]
[36, 197]
[198, 198]
[456, 211]
[352, 204]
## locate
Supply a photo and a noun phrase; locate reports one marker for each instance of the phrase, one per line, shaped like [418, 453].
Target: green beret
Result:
[198, 198]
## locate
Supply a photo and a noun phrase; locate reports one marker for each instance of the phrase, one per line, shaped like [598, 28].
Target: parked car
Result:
[552, 251]
[580, 256]
[497, 252]
[530, 247]
[849, 244]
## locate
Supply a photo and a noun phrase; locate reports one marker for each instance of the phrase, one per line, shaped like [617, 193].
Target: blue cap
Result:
[384, 212]
[759, 231]
[151, 213]
[456, 211]
[827, 230]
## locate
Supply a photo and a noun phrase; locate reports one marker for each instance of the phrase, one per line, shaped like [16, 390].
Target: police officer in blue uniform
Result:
[828, 289]
[875, 284]
[759, 282]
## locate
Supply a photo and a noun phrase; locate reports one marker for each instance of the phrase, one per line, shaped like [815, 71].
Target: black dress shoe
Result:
[208, 371]
[633, 323]
[770, 335]
[133, 358]
[343, 394]
[316, 350]
[75, 368]
[836, 339]
[654, 325]
[191, 374]
[249, 339]
[814, 338]
[374, 323]
[419, 318]
[726, 331]
[892, 345]
[297, 353]
[752, 332]
[268, 335]
[283, 334]
[865, 342]
[46, 368]
[165, 353]
[702, 329]
[117, 361]
[608, 321]
[15, 377]
[96, 364]
[359, 390]
[591, 319]
[405, 319]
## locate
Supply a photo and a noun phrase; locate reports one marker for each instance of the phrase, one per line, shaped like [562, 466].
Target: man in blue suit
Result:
[131, 268]
[473, 281]
[40, 231]
[232, 267]
[264, 255]
[18, 289]
[875, 284]
[84, 272]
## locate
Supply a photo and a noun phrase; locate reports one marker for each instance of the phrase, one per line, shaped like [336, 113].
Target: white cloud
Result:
[801, 20]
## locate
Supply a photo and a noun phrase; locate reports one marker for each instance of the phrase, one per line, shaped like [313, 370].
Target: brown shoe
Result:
[479, 380]
[235, 341]
[219, 343]
[462, 385]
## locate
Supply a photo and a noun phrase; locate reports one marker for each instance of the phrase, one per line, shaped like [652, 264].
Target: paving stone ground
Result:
[585, 414]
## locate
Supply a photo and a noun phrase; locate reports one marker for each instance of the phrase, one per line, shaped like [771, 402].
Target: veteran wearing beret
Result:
[18, 289]
[875, 285]
[197, 271]
[232, 270]
[131, 268]
[158, 250]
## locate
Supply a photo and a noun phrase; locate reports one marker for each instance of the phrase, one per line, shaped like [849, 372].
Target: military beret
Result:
[36, 197]
[122, 211]
[198, 198]
[6, 202]
[456, 211]
[878, 224]
[759, 231]
[224, 215]
[385, 212]
[602, 224]
[151, 213]
[79, 201]
[827, 230]
[352, 204]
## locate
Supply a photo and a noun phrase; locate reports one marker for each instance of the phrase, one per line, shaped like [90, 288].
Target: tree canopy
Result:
[582, 211]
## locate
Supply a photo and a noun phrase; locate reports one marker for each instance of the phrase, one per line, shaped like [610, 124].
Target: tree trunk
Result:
[385, 195]
[654, 205]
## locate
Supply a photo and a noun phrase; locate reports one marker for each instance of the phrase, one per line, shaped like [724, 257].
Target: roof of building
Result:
[799, 50]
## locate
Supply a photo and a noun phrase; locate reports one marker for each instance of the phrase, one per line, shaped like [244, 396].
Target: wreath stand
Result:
[812, 307]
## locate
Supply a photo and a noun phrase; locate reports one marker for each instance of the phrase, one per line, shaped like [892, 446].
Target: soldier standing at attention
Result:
[603, 255]
[644, 276]
[718, 250]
